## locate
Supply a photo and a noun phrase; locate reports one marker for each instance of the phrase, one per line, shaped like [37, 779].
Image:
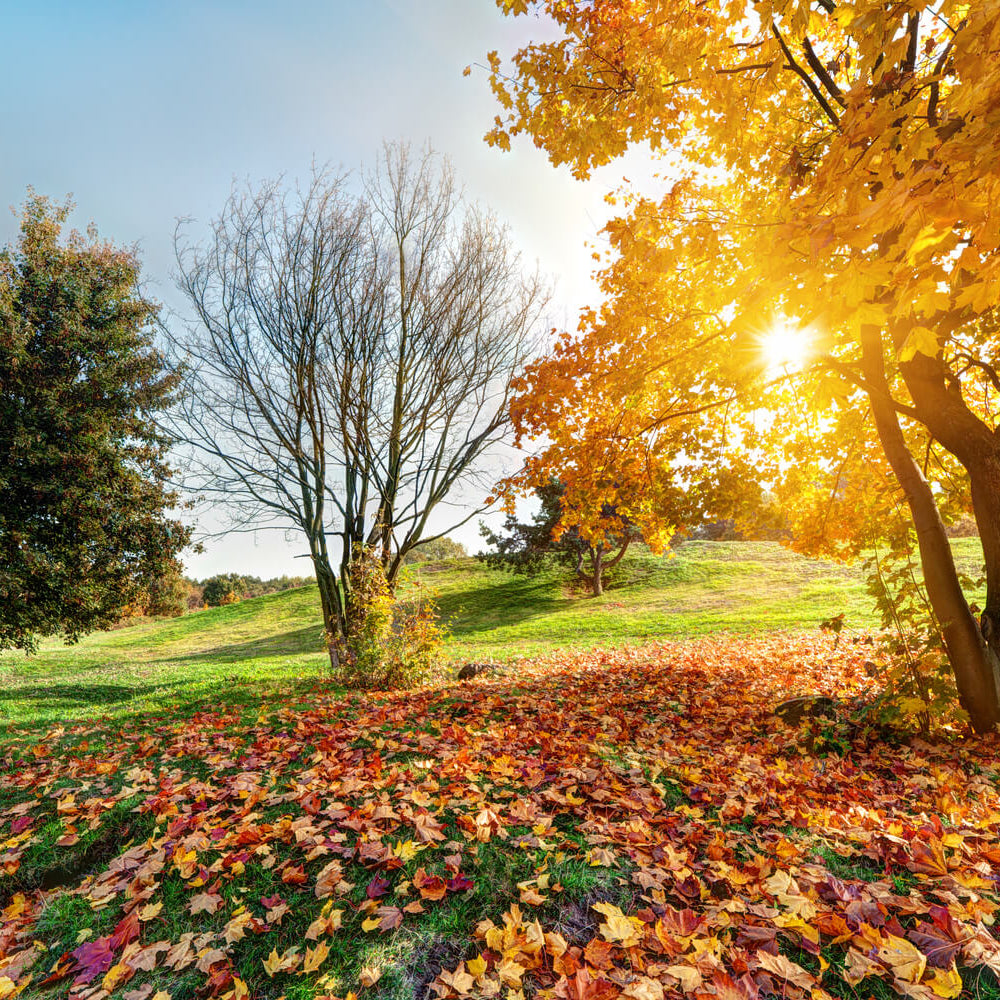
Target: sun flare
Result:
[785, 346]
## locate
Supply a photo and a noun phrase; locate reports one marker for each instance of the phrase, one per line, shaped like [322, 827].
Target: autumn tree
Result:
[353, 361]
[85, 497]
[833, 171]
[527, 546]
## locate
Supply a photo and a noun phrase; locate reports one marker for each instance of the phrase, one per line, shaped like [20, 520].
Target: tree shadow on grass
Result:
[80, 693]
[509, 601]
[302, 640]
[155, 701]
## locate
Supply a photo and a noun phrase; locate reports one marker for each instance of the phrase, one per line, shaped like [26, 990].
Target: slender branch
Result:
[913, 30]
[807, 79]
[821, 71]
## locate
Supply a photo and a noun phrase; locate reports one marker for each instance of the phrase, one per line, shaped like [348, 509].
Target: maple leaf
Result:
[329, 880]
[689, 978]
[388, 918]
[787, 970]
[315, 957]
[945, 983]
[617, 927]
[431, 887]
[428, 829]
[208, 957]
[369, 975]
[93, 958]
[204, 902]
[644, 988]
[906, 961]
[150, 911]
[378, 887]
[273, 963]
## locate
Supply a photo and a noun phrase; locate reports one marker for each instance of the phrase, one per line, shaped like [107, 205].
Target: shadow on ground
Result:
[302, 640]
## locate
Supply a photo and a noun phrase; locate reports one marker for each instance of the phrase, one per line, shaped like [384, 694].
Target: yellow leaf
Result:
[371, 924]
[150, 910]
[947, 984]
[510, 972]
[688, 977]
[407, 850]
[476, 966]
[905, 959]
[929, 236]
[921, 340]
[644, 988]
[618, 928]
[7, 987]
[273, 962]
[315, 957]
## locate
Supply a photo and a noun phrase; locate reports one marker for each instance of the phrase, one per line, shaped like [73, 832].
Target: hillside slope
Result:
[272, 642]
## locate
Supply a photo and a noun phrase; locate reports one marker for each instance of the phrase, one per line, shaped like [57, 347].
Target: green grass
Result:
[245, 651]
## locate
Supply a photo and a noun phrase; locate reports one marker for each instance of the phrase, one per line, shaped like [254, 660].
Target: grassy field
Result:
[251, 649]
[193, 808]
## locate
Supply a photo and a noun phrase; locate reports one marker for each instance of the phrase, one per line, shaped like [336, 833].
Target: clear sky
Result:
[147, 111]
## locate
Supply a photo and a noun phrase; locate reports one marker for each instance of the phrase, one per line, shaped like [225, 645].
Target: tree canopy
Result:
[85, 523]
[816, 286]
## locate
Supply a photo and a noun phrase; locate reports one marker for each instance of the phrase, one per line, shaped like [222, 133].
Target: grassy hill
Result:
[260, 645]
[632, 823]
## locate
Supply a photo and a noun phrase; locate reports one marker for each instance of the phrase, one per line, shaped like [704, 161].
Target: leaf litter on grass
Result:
[632, 823]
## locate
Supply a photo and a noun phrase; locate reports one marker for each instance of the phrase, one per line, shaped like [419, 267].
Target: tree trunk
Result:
[973, 662]
[331, 602]
[985, 479]
[941, 407]
[597, 556]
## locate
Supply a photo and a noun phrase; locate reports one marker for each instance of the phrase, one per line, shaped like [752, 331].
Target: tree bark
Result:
[944, 412]
[331, 600]
[974, 664]
[985, 479]
[597, 556]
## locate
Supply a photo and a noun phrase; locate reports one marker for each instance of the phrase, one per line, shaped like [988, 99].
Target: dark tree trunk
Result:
[597, 556]
[974, 663]
[331, 603]
[985, 479]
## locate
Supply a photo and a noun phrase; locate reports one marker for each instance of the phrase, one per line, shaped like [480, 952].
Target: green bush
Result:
[224, 588]
[167, 595]
[389, 644]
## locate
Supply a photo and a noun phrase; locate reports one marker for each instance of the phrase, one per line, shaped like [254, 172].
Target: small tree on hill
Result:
[434, 550]
[224, 588]
[167, 596]
[528, 545]
[84, 483]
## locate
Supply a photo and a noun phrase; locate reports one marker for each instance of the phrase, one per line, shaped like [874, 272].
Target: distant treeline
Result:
[174, 594]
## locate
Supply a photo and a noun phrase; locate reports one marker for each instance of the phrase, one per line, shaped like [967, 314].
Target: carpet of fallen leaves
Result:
[227, 853]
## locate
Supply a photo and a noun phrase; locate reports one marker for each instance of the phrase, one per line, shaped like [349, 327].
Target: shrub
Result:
[389, 644]
[195, 596]
[435, 550]
[167, 595]
[224, 588]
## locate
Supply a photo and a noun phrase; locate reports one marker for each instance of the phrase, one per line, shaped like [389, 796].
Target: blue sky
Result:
[146, 112]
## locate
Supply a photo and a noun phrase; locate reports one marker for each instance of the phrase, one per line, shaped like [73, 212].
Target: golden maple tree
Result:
[835, 168]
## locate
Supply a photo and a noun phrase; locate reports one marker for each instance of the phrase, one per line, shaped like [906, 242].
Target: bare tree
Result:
[352, 361]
